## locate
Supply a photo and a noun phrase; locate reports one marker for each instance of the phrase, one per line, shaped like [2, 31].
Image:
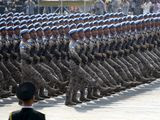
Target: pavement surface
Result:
[139, 103]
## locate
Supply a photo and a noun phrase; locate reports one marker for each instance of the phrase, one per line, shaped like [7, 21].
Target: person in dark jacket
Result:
[26, 94]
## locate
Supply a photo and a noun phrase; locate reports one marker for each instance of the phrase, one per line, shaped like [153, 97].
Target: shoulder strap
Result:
[10, 117]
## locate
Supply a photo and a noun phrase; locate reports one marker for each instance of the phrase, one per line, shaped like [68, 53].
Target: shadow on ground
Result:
[100, 103]
[108, 101]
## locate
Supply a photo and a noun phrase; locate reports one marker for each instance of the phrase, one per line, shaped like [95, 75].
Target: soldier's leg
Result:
[37, 96]
[66, 63]
[3, 93]
[69, 92]
[111, 82]
[75, 92]
[15, 73]
[41, 83]
[154, 57]
[156, 52]
[148, 66]
[121, 73]
[138, 72]
[143, 68]
[150, 60]
[96, 92]
[98, 72]
[90, 93]
[42, 94]
[125, 68]
[134, 64]
[94, 75]
[66, 73]
[156, 72]
[49, 68]
[57, 71]
[85, 71]
[13, 83]
[135, 73]
[114, 73]
[53, 80]
[151, 70]
[83, 87]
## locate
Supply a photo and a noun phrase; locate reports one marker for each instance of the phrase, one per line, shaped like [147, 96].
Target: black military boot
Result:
[38, 98]
[105, 89]
[53, 92]
[117, 88]
[146, 80]
[14, 88]
[127, 85]
[106, 92]
[95, 93]
[82, 96]
[69, 101]
[74, 98]
[5, 94]
[156, 74]
[90, 94]
[41, 93]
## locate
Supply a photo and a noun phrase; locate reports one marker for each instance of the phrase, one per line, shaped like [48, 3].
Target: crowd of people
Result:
[111, 6]
[134, 7]
[99, 7]
[96, 55]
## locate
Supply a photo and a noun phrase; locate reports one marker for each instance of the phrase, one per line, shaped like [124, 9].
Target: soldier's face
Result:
[94, 32]
[40, 33]
[49, 32]
[26, 36]
[75, 36]
[81, 35]
[53, 32]
[105, 31]
[56, 32]
[100, 32]
[33, 34]
[129, 27]
[3, 32]
[88, 34]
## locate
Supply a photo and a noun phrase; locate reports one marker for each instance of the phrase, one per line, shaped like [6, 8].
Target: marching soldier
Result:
[28, 72]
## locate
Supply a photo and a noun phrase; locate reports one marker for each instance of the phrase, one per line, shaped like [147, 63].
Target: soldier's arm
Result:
[74, 56]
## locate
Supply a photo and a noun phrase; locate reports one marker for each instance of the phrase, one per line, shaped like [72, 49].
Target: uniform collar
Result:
[27, 107]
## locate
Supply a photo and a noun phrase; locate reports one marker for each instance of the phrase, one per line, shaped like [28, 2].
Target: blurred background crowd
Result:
[131, 7]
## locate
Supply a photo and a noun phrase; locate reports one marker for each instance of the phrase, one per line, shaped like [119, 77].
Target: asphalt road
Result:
[140, 103]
